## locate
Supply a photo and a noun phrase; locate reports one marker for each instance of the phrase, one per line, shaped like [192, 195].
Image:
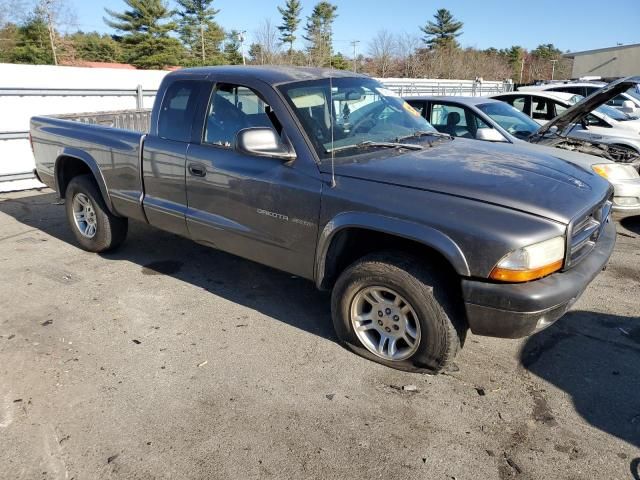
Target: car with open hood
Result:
[487, 119]
[603, 125]
[627, 101]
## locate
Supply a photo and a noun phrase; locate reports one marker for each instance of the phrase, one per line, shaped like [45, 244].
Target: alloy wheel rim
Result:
[385, 323]
[84, 215]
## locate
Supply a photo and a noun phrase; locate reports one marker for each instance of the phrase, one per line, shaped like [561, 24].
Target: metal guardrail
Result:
[13, 135]
[138, 92]
[474, 88]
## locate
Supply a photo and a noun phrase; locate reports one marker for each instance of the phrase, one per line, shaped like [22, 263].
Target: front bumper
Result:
[514, 310]
[626, 197]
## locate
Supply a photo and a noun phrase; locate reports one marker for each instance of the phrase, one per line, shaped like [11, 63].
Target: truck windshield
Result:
[341, 113]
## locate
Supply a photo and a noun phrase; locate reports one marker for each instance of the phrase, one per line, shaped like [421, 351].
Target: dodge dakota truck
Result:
[329, 176]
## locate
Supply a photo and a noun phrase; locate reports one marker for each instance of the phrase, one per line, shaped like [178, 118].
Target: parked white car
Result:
[482, 118]
[604, 124]
[628, 102]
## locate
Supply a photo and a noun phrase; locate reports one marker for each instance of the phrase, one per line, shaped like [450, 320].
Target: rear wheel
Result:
[95, 228]
[395, 310]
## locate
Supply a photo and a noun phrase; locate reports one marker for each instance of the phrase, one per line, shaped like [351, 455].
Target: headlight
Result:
[615, 171]
[532, 262]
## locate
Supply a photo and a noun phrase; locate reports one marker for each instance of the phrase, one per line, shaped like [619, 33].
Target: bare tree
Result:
[382, 49]
[13, 11]
[58, 17]
[407, 49]
[266, 38]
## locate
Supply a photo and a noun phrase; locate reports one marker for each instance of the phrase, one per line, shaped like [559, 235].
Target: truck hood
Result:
[580, 110]
[520, 178]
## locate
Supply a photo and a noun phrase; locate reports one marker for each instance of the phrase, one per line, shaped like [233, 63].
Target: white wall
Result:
[15, 112]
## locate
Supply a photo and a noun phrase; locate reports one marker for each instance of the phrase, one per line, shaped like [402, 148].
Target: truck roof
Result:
[268, 74]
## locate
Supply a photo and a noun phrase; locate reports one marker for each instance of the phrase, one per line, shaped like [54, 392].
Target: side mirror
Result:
[489, 135]
[628, 107]
[262, 142]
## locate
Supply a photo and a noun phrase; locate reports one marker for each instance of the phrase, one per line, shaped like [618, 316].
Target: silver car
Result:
[604, 124]
[491, 120]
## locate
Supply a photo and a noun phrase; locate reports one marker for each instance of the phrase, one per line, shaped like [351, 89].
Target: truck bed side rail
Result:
[133, 120]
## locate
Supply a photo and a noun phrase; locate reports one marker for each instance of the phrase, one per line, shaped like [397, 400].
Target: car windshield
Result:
[342, 115]
[510, 118]
[604, 109]
[634, 92]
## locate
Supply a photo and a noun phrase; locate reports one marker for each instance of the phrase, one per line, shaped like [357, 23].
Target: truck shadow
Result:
[595, 359]
[278, 295]
[632, 224]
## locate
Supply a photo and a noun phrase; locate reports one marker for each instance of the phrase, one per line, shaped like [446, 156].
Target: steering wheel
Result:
[363, 126]
[367, 122]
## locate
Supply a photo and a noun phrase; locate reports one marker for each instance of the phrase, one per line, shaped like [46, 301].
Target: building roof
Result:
[599, 50]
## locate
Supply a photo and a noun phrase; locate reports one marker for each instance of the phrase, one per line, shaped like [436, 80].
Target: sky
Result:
[569, 25]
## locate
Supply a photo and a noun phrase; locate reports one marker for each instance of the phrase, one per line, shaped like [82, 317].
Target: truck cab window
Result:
[178, 104]
[233, 108]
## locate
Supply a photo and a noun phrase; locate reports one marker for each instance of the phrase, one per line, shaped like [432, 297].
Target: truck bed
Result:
[108, 142]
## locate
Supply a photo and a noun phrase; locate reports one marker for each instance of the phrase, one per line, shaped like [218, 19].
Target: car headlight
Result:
[615, 171]
[530, 263]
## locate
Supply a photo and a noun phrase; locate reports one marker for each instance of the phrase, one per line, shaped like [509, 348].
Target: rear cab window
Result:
[178, 108]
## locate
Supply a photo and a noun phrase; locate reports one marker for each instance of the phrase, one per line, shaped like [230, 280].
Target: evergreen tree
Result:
[232, 54]
[547, 51]
[9, 38]
[146, 38]
[339, 62]
[290, 22]
[94, 47]
[199, 31]
[319, 33]
[33, 44]
[443, 32]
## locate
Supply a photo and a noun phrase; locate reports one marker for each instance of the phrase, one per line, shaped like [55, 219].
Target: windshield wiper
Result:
[423, 133]
[371, 143]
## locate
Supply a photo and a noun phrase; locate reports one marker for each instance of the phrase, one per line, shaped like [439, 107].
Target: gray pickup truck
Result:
[329, 176]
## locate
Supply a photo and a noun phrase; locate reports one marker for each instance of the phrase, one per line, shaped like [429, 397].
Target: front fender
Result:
[423, 234]
[87, 159]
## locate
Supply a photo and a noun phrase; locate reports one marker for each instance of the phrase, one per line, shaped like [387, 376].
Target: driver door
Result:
[256, 207]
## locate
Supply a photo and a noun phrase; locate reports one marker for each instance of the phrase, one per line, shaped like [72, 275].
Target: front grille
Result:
[585, 231]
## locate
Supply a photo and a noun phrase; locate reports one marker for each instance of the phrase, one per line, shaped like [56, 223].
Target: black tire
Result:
[110, 232]
[433, 293]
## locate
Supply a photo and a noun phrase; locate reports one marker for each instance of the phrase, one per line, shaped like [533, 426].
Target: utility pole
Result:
[521, 68]
[46, 4]
[553, 68]
[354, 44]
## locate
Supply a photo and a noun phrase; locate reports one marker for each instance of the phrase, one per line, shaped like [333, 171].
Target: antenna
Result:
[333, 153]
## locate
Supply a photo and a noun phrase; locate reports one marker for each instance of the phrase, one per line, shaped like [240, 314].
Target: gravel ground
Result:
[167, 359]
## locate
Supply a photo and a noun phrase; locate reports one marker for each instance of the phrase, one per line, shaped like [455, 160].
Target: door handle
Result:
[197, 170]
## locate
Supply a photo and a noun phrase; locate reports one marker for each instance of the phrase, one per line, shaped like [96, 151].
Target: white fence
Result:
[28, 90]
[424, 86]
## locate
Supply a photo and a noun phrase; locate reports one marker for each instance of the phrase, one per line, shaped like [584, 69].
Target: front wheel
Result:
[395, 310]
[96, 229]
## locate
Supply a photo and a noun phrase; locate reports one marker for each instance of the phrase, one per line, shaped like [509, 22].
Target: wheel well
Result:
[350, 244]
[67, 169]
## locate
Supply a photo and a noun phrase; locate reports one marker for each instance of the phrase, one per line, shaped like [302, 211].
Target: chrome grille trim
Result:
[584, 231]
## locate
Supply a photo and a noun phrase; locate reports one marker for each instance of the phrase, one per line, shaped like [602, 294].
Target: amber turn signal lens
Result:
[517, 276]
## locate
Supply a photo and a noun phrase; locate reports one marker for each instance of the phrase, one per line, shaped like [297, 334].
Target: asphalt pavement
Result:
[167, 359]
